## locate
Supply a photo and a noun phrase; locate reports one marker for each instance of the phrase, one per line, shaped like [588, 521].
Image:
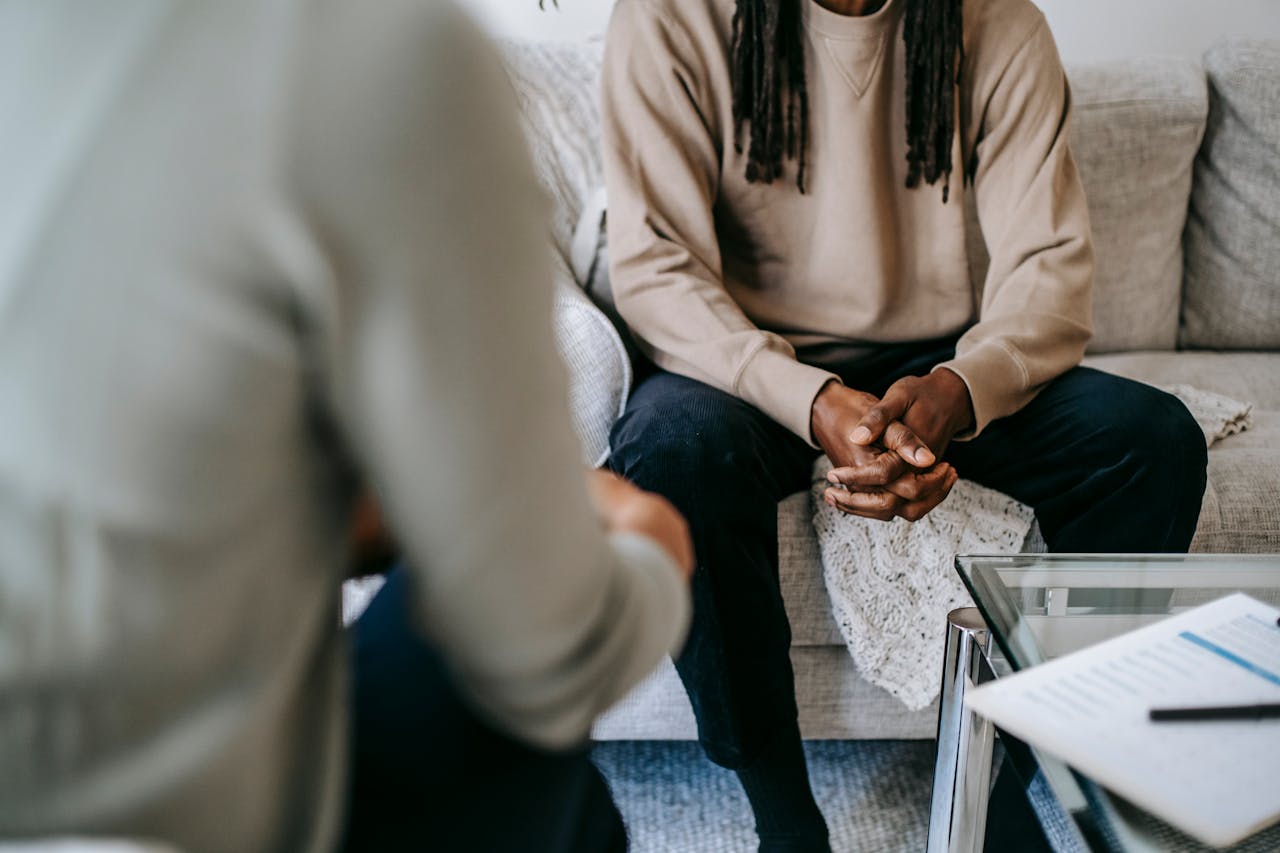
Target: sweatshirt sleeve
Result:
[662, 166]
[1036, 308]
[434, 318]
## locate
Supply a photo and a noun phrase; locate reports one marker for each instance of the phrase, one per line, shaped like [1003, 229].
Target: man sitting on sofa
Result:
[787, 183]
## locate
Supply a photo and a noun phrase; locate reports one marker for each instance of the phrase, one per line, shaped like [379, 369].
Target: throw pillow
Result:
[556, 88]
[1232, 295]
[599, 371]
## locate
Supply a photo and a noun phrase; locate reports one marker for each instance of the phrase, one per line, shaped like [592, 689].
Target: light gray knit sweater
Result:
[252, 253]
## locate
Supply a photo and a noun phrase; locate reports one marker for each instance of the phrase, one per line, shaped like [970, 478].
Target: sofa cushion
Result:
[800, 571]
[1135, 131]
[1232, 293]
[1253, 377]
[1241, 510]
[1135, 128]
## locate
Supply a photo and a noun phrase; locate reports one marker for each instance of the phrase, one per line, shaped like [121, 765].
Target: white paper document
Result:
[1218, 781]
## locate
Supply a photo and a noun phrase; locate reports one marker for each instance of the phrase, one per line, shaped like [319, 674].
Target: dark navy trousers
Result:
[1109, 465]
[428, 773]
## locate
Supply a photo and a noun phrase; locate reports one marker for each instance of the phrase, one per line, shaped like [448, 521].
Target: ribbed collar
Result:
[835, 25]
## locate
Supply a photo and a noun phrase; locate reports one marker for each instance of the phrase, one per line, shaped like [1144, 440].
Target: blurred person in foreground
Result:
[255, 256]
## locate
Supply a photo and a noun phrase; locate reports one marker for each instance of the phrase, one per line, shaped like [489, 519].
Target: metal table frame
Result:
[1083, 815]
[962, 775]
[962, 771]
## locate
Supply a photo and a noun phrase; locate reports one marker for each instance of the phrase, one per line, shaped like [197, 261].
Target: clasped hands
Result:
[887, 453]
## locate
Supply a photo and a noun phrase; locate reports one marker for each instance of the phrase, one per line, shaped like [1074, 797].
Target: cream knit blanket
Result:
[892, 584]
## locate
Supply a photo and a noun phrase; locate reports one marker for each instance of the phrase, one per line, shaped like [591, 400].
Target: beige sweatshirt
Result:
[726, 281]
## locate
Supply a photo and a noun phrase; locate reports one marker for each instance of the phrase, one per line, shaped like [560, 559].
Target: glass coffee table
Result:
[1035, 607]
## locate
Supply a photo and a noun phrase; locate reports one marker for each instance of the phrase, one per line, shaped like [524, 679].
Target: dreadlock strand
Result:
[736, 59]
[797, 95]
[933, 34]
[912, 84]
[769, 96]
[788, 24]
[798, 122]
[762, 59]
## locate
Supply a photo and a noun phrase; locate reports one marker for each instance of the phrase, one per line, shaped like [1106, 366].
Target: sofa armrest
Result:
[599, 369]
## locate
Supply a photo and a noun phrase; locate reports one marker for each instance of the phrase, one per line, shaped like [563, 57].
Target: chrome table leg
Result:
[962, 773]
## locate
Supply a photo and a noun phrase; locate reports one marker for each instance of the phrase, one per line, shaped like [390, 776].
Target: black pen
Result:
[1222, 712]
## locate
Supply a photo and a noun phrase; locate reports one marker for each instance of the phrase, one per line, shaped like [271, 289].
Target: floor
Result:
[874, 794]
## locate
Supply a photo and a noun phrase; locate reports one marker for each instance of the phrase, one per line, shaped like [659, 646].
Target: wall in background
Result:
[1111, 29]
[1085, 29]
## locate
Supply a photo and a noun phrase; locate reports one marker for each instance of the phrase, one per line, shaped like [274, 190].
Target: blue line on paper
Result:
[1231, 656]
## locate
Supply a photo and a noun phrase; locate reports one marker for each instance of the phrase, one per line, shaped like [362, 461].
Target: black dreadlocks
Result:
[771, 103]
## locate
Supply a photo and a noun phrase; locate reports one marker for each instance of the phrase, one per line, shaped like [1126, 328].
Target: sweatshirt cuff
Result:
[671, 607]
[783, 388]
[997, 383]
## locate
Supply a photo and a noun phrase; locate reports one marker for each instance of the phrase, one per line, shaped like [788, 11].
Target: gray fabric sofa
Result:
[1181, 164]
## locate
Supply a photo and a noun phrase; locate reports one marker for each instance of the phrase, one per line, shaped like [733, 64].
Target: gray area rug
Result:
[874, 794]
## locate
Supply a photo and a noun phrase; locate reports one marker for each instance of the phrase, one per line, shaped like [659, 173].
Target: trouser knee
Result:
[1166, 458]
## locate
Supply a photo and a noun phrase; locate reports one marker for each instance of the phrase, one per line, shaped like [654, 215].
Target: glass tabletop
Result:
[1041, 606]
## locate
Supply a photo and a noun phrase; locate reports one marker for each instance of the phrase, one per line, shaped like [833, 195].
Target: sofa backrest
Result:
[1135, 128]
[1232, 295]
[1134, 134]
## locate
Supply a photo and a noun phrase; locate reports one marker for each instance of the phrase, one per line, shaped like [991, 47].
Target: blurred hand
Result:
[625, 508]
[372, 548]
